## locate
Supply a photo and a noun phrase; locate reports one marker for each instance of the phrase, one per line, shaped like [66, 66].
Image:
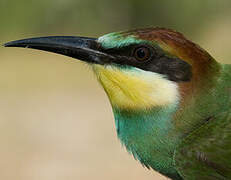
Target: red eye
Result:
[142, 53]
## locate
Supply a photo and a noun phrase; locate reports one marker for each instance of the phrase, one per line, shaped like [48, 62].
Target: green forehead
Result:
[117, 40]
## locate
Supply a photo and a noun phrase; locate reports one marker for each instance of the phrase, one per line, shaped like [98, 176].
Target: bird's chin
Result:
[135, 89]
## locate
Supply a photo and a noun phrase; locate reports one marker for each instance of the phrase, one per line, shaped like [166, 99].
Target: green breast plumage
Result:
[147, 135]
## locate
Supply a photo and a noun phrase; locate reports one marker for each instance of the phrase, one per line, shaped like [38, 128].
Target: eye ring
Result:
[142, 53]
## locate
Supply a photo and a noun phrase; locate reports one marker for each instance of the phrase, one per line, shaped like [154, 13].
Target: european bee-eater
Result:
[171, 100]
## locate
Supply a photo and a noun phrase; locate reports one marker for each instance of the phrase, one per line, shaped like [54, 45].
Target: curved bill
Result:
[82, 48]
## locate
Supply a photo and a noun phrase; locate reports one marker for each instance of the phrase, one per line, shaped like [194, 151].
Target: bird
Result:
[170, 98]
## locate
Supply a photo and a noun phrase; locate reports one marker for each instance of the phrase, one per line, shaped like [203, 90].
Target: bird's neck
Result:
[202, 99]
[144, 104]
[147, 135]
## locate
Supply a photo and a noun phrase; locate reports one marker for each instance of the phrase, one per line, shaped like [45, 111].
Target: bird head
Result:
[138, 69]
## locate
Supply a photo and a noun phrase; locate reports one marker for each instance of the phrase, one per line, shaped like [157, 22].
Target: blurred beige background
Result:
[55, 120]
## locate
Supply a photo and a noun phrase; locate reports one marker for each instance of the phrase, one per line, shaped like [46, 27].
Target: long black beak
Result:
[85, 49]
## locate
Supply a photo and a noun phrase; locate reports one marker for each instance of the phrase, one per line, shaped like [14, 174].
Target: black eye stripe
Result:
[156, 61]
[129, 50]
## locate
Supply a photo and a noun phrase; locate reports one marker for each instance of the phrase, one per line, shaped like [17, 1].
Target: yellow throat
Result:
[133, 88]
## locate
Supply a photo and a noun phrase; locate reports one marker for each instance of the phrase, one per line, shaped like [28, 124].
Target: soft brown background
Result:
[55, 120]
